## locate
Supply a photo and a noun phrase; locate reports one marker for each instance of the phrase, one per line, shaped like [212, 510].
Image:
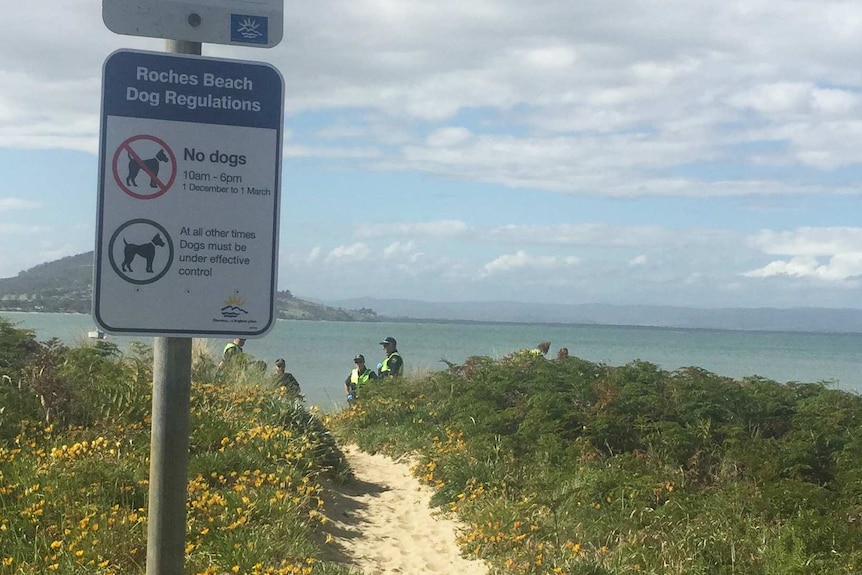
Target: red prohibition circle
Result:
[162, 187]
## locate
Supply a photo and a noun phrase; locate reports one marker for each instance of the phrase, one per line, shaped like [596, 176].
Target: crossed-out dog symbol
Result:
[151, 155]
[150, 165]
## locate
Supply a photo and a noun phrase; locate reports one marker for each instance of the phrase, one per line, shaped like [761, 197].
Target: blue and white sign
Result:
[246, 29]
[189, 196]
[255, 23]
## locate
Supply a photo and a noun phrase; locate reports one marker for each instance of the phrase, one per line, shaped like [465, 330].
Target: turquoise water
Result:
[320, 354]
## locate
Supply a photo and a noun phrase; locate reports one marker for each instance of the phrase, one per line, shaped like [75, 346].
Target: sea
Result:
[320, 353]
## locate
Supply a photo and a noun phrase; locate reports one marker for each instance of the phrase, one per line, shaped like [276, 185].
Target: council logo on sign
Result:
[233, 307]
[249, 29]
[234, 312]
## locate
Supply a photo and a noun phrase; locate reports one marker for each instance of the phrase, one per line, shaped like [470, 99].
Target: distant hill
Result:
[828, 320]
[66, 286]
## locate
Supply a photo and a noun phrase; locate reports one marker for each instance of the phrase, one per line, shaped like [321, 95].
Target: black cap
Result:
[279, 362]
[388, 340]
[359, 358]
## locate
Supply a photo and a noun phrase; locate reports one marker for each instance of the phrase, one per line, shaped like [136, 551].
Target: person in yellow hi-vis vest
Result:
[232, 351]
[393, 365]
[357, 378]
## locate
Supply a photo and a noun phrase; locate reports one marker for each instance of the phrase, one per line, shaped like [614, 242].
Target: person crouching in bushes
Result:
[357, 378]
[285, 380]
[542, 349]
[527, 354]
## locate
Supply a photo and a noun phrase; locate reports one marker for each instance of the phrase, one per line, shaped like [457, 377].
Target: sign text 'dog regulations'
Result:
[190, 159]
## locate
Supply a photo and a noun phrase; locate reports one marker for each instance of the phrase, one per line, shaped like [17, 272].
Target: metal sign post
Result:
[186, 231]
[169, 438]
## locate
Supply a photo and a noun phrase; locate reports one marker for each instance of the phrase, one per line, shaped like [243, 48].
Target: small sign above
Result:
[255, 23]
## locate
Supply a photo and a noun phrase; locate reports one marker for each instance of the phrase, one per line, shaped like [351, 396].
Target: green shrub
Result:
[573, 467]
[74, 489]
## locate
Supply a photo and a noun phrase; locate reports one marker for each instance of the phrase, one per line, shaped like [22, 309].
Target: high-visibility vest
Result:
[229, 349]
[384, 367]
[357, 379]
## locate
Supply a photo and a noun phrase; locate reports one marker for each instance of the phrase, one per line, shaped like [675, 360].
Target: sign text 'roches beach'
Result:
[190, 159]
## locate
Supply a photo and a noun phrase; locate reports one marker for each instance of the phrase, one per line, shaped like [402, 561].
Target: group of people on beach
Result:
[544, 347]
[391, 366]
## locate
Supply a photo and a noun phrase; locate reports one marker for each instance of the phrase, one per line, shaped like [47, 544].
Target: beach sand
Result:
[382, 522]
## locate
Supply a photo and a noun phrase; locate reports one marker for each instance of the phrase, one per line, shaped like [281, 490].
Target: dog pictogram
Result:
[150, 155]
[150, 165]
[146, 251]
[157, 253]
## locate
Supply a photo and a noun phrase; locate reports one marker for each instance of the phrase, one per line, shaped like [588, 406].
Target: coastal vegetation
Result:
[74, 449]
[551, 466]
[573, 467]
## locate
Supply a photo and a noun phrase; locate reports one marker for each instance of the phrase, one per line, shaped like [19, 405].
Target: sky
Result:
[666, 152]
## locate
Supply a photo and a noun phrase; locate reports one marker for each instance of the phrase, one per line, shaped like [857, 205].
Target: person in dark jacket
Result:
[285, 379]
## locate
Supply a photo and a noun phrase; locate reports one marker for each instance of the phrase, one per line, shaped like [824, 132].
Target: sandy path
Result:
[382, 523]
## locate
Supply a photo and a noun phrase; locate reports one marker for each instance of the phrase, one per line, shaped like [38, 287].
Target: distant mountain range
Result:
[66, 286]
[808, 319]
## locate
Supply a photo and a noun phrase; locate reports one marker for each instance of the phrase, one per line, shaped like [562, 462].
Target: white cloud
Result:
[509, 262]
[573, 99]
[353, 253]
[838, 269]
[823, 145]
[591, 235]
[796, 267]
[11, 204]
[359, 152]
[560, 57]
[809, 241]
[23, 229]
[638, 261]
[446, 137]
[438, 229]
[402, 250]
[521, 259]
[832, 101]
[622, 165]
[830, 254]
[775, 98]
[314, 254]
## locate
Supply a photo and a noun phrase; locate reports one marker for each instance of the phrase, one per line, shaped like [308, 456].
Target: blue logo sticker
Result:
[249, 29]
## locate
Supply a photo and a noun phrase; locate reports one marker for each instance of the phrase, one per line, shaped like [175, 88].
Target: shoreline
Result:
[441, 321]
